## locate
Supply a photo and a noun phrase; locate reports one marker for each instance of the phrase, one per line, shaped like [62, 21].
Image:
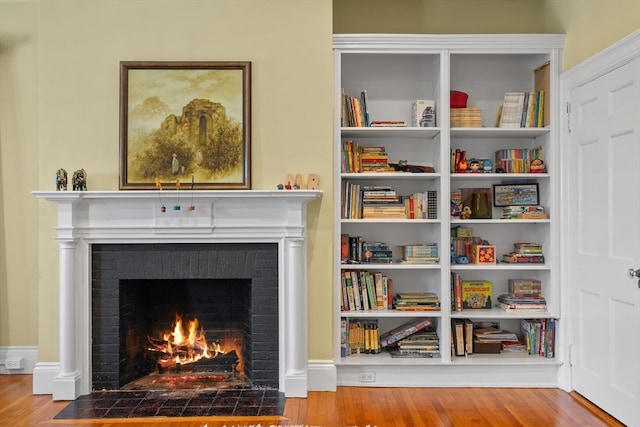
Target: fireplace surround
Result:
[199, 217]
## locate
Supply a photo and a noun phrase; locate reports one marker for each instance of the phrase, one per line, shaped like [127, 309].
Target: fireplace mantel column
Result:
[66, 385]
[296, 324]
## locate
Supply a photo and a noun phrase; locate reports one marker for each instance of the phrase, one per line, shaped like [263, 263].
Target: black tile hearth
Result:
[176, 403]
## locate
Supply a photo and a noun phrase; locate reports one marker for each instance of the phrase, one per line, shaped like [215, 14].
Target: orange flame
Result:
[184, 346]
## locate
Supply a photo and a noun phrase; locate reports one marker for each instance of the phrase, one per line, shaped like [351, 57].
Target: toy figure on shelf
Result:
[80, 180]
[475, 166]
[61, 180]
[537, 166]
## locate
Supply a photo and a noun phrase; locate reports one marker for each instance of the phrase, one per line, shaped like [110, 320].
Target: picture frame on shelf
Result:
[516, 195]
[186, 122]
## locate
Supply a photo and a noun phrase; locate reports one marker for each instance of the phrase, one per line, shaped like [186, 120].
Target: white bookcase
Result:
[396, 70]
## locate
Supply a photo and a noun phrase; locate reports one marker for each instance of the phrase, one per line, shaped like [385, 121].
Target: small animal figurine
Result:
[466, 213]
[61, 180]
[463, 259]
[80, 180]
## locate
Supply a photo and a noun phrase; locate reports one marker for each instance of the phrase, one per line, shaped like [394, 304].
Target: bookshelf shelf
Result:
[500, 267]
[389, 313]
[498, 132]
[426, 135]
[393, 266]
[496, 313]
[391, 176]
[390, 73]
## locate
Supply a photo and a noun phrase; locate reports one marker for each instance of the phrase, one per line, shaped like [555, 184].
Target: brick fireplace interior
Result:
[137, 290]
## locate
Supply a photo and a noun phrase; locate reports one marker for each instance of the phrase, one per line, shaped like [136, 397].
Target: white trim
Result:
[620, 53]
[43, 375]
[28, 353]
[322, 375]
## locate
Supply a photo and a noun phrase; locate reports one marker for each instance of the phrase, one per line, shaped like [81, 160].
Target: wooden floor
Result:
[348, 407]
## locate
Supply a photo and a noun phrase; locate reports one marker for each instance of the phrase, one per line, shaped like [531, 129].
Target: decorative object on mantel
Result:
[297, 183]
[61, 180]
[80, 180]
[181, 119]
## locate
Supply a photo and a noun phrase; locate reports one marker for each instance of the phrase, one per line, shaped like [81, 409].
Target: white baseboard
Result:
[28, 354]
[43, 376]
[321, 375]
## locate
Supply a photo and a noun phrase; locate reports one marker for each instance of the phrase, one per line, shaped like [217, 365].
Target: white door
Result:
[604, 240]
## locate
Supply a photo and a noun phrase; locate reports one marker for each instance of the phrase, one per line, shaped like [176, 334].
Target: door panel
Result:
[604, 230]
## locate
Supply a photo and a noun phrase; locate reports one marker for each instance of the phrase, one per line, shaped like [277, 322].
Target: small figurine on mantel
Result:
[80, 180]
[61, 180]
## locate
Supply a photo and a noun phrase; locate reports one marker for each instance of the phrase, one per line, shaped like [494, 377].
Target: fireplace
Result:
[144, 294]
[214, 246]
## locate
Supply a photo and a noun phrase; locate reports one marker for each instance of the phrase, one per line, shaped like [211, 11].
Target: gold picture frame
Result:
[185, 122]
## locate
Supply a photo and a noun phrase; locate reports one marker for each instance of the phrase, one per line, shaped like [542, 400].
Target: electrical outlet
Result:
[14, 364]
[367, 377]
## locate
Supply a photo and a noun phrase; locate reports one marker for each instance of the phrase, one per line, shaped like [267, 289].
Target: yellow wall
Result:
[59, 105]
[590, 25]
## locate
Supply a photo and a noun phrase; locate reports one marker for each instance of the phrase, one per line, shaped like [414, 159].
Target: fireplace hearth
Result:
[91, 220]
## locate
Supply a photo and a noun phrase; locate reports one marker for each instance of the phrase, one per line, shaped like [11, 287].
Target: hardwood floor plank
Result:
[347, 407]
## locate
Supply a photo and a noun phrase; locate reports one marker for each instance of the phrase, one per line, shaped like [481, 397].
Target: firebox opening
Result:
[190, 333]
[138, 290]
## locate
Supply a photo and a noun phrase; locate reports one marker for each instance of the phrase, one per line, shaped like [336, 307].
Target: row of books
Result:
[355, 250]
[517, 160]
[414, 338]
[359, 336]
[539, 336]
[522, 110]
[365, 290]
[383, 202]
[468, 337]
[354, 112]
[523, 295]
[469, 294]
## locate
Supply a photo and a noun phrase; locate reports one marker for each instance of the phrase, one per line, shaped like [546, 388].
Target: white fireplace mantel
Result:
[234, 216]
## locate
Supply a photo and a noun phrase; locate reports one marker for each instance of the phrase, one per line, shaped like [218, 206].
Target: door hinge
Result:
[570, 355]
[568, 111]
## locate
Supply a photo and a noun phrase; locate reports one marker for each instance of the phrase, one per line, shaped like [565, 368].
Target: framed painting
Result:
[185, 123]
[515, 194]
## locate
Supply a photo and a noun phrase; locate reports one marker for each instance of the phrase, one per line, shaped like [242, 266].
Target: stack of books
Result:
[491, 339]
[524, 212]
[420, 344]
[420, 254]
[403, 331]
[416, 301]
[382, 202]
[374, 159]
[524, 295]
[388, 123]
[522, 110]
[525, 252]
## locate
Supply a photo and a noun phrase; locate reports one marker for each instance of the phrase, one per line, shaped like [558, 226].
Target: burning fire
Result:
[184, 345]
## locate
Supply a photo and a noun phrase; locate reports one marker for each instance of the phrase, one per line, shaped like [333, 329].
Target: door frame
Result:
[620, 53]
